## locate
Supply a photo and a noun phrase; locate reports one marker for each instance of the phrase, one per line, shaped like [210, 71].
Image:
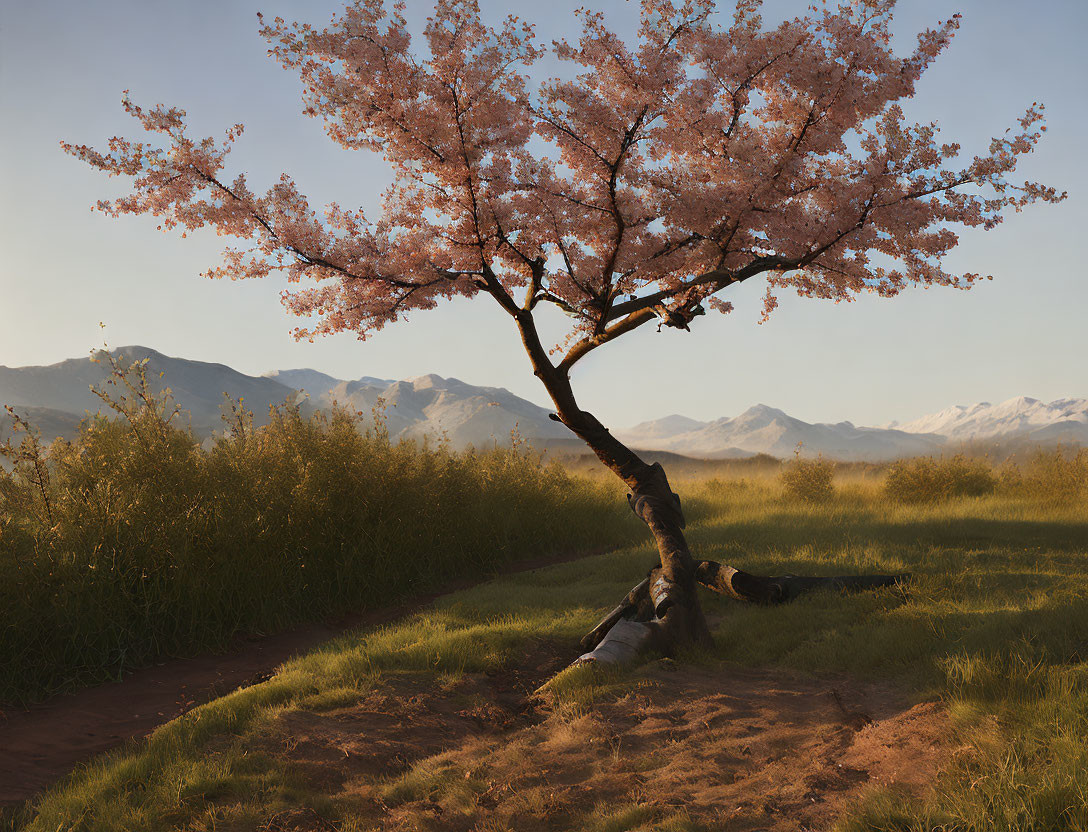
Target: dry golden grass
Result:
[135, 542]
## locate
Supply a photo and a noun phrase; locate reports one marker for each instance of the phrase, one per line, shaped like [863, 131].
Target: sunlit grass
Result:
[994, 622]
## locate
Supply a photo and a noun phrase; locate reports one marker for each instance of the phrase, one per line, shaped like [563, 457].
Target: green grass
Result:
[995, 622]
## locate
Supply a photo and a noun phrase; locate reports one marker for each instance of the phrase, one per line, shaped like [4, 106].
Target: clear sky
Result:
[64, 63]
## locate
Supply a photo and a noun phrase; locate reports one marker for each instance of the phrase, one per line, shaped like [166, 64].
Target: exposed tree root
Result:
[626, 609]
[622, 643]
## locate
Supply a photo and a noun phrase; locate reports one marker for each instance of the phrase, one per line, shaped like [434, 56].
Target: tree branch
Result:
[724, 277]
[590, 343]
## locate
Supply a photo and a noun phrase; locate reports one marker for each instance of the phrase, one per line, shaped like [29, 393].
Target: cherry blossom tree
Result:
[638, 189]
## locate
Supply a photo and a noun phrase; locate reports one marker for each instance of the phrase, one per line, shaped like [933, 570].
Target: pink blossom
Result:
[692, 159]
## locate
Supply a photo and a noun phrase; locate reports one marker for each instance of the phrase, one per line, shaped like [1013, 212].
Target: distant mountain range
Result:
[766, 430]
[57, 396]
[763, 429]
[432, 406]
[64, 388]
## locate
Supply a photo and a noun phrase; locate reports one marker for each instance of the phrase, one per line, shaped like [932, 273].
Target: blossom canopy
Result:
[655, 175]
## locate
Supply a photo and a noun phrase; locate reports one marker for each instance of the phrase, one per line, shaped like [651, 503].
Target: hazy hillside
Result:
[49, 422]
[447, 407]
[645, 434]
[197, 385]
[317, 384]
[309, 381]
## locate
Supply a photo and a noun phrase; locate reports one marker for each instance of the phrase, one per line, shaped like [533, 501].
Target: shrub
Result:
[809, 480]
[1055, 475]
[928, 479]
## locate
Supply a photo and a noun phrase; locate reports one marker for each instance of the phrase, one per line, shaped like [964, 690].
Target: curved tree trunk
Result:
[671, 587]
[677, 617]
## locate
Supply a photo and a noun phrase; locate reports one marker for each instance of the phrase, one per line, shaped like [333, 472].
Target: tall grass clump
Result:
[808, 480]
[135, 542]
[928, 479]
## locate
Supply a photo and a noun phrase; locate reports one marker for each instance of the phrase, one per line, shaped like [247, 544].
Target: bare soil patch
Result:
[41, 744]
[737, 749]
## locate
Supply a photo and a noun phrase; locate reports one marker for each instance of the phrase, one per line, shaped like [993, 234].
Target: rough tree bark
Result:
[678, 617]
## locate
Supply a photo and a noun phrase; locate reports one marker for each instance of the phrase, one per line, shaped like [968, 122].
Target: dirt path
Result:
[42, 744]
[732, 749]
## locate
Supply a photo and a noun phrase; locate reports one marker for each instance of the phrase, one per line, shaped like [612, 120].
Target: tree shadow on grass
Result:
[975, 647]
[788, 530]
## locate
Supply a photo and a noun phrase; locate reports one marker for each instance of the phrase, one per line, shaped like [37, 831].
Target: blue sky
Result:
[63, 65]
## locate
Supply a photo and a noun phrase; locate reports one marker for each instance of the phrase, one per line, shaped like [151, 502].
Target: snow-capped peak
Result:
[1016, 416]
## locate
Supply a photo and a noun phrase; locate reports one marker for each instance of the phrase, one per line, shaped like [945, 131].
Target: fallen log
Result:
[759, 589]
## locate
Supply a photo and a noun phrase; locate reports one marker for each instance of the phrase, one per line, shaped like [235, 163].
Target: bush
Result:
[134, 542]
[809, 480]
[1056, 475]
[929, 479]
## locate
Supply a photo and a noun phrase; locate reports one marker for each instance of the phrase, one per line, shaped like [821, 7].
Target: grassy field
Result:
[994, 626]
